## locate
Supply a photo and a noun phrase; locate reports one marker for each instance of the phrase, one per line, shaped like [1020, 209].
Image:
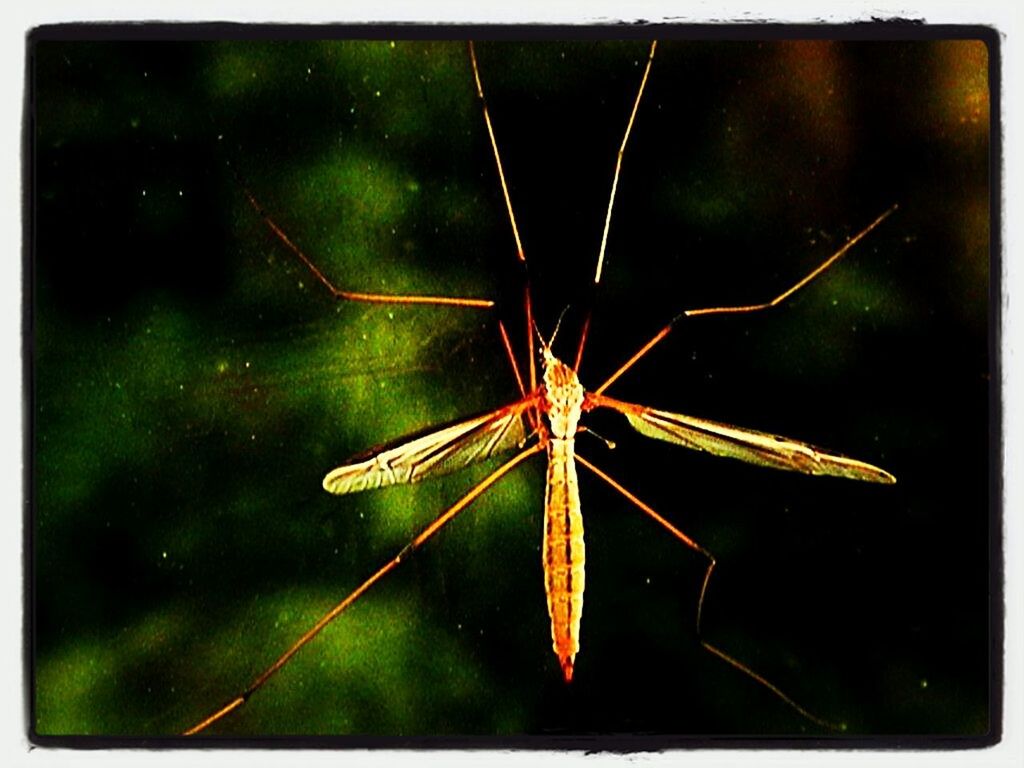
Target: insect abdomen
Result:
[563, 553]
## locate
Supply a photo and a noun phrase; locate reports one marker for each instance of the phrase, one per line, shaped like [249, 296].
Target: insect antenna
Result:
[558, 324]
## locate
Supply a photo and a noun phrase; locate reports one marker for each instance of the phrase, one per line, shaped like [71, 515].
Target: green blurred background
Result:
[192, 384]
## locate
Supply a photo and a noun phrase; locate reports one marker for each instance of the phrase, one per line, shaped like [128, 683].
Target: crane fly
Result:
[546, 419]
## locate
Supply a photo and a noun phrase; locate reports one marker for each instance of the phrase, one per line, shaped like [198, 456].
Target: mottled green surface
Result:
[193, 384]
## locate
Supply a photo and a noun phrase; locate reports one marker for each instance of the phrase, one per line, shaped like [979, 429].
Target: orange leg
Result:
[332, 614]
[618, 163]
[583, 341]
[497, 156]
[678, 534]
[377, 298]
[735, 310]
[520, 253]
[529, 337]
[374, 298]
[511, 357]
[611, 197]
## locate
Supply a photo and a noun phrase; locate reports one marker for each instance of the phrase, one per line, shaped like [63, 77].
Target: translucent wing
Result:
[437, 452]
[762, 448]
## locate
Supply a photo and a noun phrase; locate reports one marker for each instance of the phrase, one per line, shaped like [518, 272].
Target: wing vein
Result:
[752, 446]
[443, 450]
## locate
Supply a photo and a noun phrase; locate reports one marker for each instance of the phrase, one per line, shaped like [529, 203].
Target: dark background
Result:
[192, 384]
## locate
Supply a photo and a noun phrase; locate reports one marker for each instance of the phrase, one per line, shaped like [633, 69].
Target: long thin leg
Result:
[583, 340]
[528, 304]
[520, 254]
[816, 272]
[611, 197]
[618, 162]
[511, 357]
[497, 155]
[374, 298]
[531, 414]
[332, 614]
[678, 534]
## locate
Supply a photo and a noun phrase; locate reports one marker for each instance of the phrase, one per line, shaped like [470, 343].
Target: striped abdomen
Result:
[563, 552]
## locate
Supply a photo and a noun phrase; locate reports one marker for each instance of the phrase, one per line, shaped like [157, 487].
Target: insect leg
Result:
[739, 309]
[520, 253]
[678, 534]
[618, 162]
[511, 357]
[332, 614]
[337, 293]
[611, 199]
[376, 298]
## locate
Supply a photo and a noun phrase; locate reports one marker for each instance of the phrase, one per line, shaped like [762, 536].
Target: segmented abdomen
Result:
[563, 552]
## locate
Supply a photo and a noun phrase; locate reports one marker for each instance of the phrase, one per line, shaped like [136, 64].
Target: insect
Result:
[546, 419]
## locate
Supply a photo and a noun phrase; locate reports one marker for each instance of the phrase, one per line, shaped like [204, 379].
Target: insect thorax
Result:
[563, 395]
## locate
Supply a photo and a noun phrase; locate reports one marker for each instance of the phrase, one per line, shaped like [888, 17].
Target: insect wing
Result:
[438, 452]
[751, 446]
